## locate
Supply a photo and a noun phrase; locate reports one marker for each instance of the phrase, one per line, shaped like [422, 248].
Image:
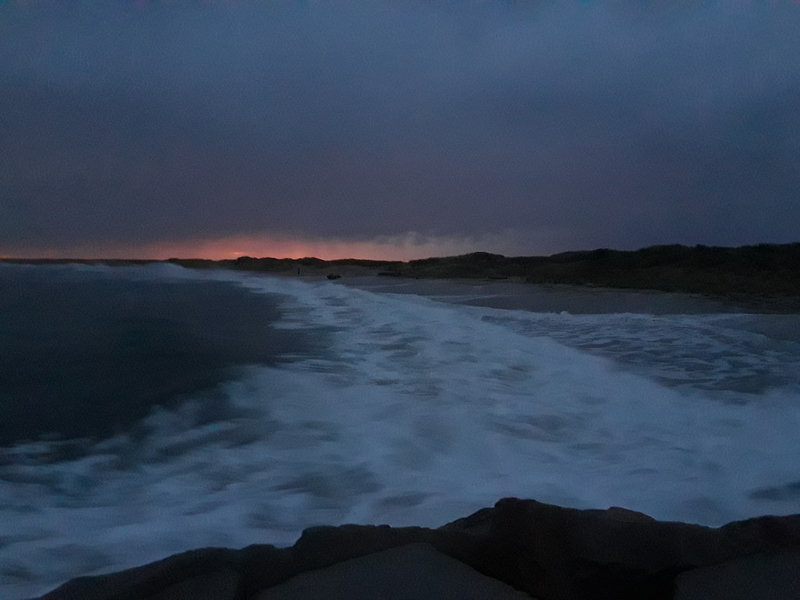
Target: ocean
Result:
[150, 410]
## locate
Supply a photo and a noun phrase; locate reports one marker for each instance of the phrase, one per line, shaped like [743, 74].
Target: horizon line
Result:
[68, 258]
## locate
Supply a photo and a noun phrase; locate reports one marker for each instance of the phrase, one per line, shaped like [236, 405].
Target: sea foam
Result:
[420, 412]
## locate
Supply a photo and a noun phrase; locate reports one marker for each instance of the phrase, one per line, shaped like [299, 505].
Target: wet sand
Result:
[516, 295]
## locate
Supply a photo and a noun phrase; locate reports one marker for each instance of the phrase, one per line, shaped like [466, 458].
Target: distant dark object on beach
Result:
[334, 276]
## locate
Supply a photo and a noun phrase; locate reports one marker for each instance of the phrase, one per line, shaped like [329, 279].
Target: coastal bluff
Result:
[516, 549]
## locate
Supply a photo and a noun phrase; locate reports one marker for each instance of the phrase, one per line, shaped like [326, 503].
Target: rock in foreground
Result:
[518, 549]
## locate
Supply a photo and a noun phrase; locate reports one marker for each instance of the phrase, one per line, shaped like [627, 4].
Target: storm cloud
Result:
[532, 127]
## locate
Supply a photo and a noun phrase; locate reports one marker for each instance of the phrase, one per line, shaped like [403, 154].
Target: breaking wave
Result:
[419, 412]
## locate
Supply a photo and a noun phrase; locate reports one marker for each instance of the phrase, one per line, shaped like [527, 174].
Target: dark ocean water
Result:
[86, 353]
[292, 402]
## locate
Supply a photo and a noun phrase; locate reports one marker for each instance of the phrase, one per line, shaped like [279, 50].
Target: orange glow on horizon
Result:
[403, 247]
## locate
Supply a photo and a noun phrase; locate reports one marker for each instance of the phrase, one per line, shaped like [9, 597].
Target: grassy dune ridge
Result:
[765, 270]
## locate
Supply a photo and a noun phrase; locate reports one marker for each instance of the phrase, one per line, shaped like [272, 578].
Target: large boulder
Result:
[544, 551]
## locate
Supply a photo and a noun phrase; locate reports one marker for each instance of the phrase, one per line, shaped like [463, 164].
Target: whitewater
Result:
[422, 409]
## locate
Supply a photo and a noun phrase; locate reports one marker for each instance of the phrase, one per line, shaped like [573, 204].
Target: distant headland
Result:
[763, 270]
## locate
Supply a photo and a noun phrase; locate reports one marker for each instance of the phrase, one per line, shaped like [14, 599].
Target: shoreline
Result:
[761, 278]
[597, 299]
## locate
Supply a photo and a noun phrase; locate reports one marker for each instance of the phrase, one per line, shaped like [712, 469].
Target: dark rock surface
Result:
[410, 571]
[772, 576]
[545, 551]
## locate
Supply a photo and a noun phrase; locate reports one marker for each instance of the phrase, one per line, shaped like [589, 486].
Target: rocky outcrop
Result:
[517, 548]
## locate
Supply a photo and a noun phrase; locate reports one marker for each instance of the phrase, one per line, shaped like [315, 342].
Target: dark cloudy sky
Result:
[403, 128]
